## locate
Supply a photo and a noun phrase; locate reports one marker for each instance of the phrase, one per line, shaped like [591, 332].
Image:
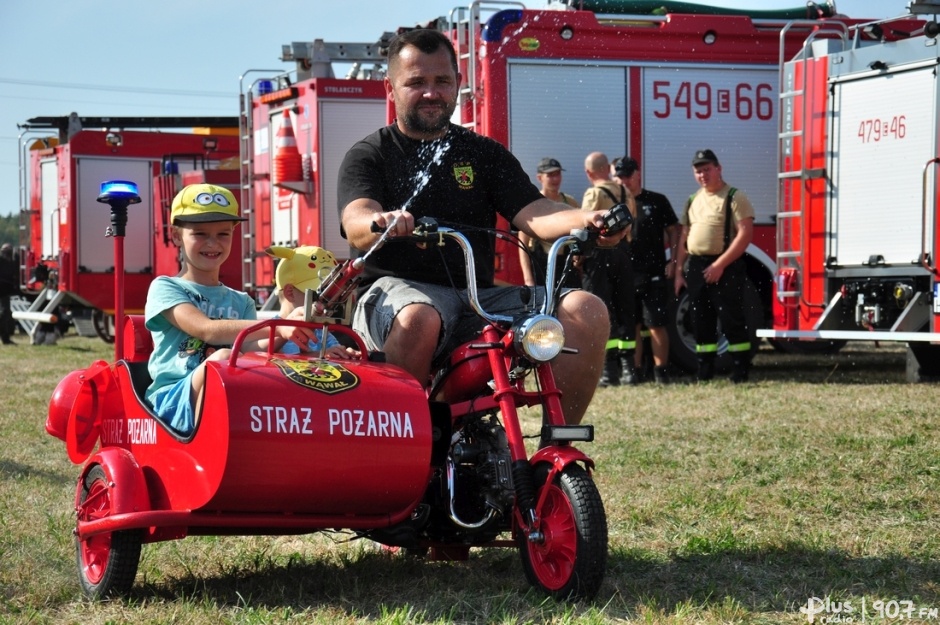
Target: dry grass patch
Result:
[726, 504]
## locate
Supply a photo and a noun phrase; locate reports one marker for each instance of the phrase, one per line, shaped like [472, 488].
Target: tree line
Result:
[10, 229]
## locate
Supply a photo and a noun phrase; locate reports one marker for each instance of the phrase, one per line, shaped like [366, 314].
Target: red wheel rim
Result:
[95, 549]
[553, 559]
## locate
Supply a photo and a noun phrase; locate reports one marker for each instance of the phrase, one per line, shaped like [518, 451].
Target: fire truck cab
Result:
[296, 127]
[66, 265]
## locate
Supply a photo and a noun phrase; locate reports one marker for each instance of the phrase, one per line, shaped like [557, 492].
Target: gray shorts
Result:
[386, 297]
[652, 300]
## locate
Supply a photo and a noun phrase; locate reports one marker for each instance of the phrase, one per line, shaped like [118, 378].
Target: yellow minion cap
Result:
[204, 203]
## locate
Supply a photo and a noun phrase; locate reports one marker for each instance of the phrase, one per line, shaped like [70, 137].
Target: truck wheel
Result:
[571, 561]
[682, 338]
[104, 325]
[107, 563]
[923, 362]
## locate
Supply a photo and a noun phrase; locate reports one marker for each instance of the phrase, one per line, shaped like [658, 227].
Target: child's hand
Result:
[344, 353]
[300, 336]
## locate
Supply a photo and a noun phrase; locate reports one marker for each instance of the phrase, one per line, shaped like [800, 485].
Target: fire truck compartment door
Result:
[566, 112]
[95, 252]
[53, 215]
[342, 123]
[884, 132]
[569, 110]
[731, 110]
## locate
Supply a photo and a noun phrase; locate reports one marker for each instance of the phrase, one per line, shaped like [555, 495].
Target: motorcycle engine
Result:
[483, 468]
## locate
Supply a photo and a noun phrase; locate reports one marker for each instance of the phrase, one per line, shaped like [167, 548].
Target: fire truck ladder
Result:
[791, 204]
[464, 25]
[246, 151]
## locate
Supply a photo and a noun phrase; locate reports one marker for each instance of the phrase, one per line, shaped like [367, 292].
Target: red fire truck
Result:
[296, 127]
[66, 264]
[649, 79]
[857, 219]
[558, 82]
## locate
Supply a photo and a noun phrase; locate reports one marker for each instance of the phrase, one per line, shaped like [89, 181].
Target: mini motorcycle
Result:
[293, 444]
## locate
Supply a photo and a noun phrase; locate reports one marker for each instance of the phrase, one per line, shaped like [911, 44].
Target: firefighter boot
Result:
[628, 372]
[611, 374]
[706, 367]
[740, 367]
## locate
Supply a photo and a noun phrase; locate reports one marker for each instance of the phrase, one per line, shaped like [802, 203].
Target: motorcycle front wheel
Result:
[571, 560]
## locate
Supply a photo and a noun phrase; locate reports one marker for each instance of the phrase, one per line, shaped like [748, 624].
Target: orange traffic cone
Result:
[288, 165]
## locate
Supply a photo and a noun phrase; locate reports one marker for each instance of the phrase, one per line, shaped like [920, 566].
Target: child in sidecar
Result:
[194, 317]
[298, 270]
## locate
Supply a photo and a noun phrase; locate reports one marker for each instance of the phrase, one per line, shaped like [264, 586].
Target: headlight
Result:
[540, 338]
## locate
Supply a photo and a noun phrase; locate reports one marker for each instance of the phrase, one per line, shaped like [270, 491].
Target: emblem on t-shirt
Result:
[464, 175]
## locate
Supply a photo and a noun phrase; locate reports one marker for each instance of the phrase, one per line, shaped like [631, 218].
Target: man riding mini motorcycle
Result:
[374, 445]
[423, 165]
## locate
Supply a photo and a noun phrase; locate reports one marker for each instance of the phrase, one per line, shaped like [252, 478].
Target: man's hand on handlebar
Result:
[611, 225]
[398, 223]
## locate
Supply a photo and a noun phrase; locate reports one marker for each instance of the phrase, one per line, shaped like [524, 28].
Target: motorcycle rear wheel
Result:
[107, 563]
[571, 561]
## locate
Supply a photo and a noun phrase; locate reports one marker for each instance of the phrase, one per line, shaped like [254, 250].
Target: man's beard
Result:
[416, 123]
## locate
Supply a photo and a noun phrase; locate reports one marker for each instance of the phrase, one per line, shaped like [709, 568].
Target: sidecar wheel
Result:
[107, 563]
[571, 561]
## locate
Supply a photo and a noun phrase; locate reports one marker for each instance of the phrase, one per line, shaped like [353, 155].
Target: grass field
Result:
[726, 504]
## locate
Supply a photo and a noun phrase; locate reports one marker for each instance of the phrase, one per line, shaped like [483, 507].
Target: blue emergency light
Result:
[119, 191]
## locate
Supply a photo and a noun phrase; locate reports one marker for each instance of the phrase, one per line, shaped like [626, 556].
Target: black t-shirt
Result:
[654, 214]
[462, 179]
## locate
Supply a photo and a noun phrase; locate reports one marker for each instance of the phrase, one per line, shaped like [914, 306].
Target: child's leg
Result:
[198, 382]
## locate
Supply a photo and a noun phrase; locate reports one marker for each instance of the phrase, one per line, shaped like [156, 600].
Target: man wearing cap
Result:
[533, 256]
[655, 227]
[192, 316]
[608, 273]
[717, 227]
[423, 165]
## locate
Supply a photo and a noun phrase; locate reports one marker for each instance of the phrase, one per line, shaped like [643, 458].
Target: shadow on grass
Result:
[774, 580]
[12, 470]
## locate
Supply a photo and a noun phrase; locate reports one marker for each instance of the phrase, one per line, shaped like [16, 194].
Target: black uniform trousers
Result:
[722, 301]
[608, 274]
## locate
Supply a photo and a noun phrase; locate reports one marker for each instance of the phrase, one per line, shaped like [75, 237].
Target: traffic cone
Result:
[288, 165]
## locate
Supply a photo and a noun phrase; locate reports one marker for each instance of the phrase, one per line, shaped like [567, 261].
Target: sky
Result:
[185, 57]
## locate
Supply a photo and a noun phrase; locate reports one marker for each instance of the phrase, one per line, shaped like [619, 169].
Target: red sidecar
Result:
[286, 444]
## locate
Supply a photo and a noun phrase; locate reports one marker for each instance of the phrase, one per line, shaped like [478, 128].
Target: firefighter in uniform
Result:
[608, 273]
[717, 227]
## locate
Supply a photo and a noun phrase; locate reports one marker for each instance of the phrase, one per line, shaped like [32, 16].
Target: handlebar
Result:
[336, 288]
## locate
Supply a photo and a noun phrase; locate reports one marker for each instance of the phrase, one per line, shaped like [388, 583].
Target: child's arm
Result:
[195, 323]
[334, 348]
